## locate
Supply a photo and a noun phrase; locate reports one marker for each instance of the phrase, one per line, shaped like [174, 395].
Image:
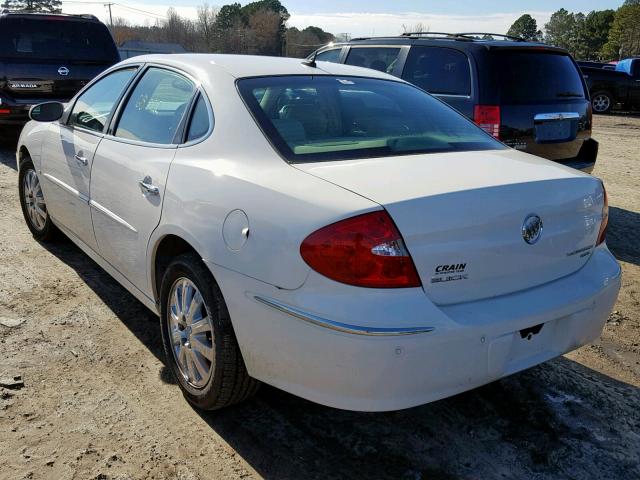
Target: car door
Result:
[69, 149]
[635, 84]
[130, 169]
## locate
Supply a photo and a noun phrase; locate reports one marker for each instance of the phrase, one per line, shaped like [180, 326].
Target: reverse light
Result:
[487, 117]
[365, 251]
[602, 234]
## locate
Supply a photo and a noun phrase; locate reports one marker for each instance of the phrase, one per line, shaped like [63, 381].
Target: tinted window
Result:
[199, 124]
[379, 58]
[334, 118]
[329, 55]
[535, 77]
[438, 70]
[156, 106]
[56, 38]
[93, 108]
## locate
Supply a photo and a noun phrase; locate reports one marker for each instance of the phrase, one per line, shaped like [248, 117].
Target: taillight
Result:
[365, 251]
[602, 234]
[487, 117]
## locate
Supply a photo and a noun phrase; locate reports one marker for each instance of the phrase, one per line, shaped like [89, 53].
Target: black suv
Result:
[48, 57]
[529, 95]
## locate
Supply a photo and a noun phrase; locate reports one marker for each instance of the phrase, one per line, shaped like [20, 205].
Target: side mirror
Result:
[46, 112]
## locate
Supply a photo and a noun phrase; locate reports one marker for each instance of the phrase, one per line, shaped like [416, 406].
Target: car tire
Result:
[34, 208]
[199, 337]
[601, 102]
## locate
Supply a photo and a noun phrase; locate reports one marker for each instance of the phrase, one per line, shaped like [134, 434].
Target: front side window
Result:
[93, 108]
[378, 58]
[329, 55]
[156, 106]
[326, 118]
[438, 70]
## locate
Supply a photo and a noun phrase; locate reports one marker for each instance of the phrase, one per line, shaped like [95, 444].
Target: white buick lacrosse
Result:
[329, 230]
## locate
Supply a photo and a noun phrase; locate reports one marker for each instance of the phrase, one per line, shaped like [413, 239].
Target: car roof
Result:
[242, 66]
[463, 42]
[44, 16]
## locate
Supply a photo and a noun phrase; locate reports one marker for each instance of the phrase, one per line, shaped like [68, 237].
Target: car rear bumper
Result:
[16, 112]
[586, 158]
[453, 348]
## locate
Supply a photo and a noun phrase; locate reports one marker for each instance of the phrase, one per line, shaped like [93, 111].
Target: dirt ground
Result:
[98, 402]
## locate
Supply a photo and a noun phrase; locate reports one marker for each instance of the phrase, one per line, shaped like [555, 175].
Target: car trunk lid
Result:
[462, 217]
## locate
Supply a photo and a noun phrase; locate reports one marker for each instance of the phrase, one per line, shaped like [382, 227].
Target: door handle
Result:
[147, 187]
[81, 159]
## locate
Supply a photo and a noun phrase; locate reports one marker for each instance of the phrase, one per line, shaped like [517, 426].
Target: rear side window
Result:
[378, 58]
[93, 108]
[535, 77]
[156, 107]
[56, 38]
[438, 70]
[199, 123]
[327, 118]
[329, 55]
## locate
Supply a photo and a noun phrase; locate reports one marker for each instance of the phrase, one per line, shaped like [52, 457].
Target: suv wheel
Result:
[34, 207]
[199, 343]
[601, 102]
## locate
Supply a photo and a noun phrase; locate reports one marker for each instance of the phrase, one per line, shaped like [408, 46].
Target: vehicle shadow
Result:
[557, 420]
[623, 234]
[8, 143]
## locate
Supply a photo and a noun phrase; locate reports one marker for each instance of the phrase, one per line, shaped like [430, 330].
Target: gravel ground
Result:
[97, 401]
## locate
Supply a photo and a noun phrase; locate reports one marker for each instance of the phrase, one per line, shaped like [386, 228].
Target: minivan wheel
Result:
[34, 207]
[602, 102]
[198, 339]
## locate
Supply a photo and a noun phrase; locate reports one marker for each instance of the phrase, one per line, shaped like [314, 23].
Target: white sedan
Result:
[326, 229]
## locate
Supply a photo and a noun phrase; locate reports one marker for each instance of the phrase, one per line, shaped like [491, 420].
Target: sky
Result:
[365, 17]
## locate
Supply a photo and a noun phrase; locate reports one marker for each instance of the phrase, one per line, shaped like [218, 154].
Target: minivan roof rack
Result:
[88, 16]
[455, 36]
[474, 35]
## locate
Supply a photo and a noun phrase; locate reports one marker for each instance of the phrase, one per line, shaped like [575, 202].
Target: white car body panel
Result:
[245, 211]
[123, 215]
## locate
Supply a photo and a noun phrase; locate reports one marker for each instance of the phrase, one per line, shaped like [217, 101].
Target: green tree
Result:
[624, 36]
[595, 33]
[47, 6]
[525, 27]
[560, 30]
[229, 16]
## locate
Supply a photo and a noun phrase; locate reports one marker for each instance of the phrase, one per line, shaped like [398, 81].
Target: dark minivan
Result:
[48, 57]
[529, 95]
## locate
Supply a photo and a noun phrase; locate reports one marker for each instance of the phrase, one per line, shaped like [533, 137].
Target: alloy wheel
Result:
[34, 200]
[601, 103]
[190, 332]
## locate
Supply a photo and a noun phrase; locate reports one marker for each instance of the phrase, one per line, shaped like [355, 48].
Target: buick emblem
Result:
[64, 71]
[532, 229]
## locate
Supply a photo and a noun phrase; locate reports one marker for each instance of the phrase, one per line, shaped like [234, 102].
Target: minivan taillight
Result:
[487, 117]
[602, 234]
[365, 251]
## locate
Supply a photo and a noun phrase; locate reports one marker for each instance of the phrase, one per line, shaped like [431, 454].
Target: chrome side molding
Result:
[339, 326]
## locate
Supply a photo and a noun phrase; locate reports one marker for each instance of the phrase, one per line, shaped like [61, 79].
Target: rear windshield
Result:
[535, 77]
[325, 118]
[56, 38]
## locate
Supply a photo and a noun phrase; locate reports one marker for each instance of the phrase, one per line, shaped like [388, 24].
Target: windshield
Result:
[535, 77]
[324, 118]
[56, 38]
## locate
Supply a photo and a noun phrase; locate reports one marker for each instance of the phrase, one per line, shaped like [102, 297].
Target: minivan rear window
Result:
[535, 77]
[56, 38]
[327, 118]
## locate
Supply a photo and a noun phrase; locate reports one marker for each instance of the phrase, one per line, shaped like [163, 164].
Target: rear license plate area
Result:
[555, 131]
